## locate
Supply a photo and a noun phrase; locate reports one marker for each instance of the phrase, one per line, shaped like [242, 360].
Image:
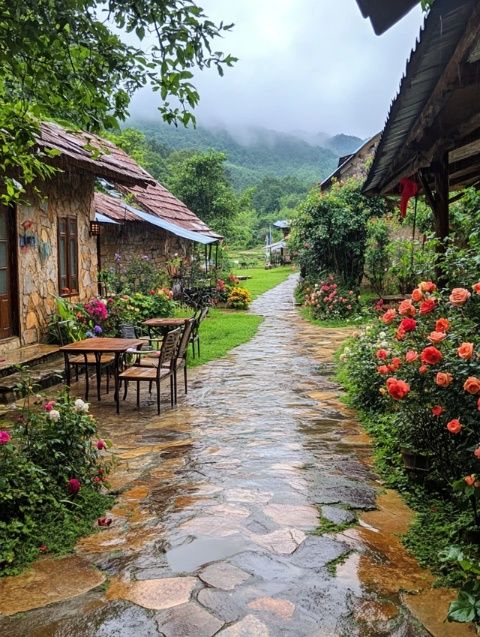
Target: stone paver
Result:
[223, 575]
[214, 529]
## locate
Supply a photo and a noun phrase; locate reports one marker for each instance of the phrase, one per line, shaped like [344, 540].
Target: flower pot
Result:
[414, 461]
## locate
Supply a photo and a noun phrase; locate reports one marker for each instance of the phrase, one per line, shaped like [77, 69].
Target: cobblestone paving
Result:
[216, 528]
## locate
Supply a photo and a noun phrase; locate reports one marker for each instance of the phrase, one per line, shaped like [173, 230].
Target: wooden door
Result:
[7, 274]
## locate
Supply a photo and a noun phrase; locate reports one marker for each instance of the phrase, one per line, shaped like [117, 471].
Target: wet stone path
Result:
[216, 526]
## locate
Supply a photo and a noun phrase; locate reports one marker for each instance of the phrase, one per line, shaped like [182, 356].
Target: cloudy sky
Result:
[314, 65]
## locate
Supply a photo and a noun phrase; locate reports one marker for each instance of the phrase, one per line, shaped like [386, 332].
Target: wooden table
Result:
[97, 347]
[163, 325]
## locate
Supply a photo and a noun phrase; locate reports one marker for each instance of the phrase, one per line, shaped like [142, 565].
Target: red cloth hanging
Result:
[408, 189]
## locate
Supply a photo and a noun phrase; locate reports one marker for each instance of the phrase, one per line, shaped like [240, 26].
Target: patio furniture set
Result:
[136, 358]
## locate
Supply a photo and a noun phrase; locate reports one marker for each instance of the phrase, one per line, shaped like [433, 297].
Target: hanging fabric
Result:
[408, 189]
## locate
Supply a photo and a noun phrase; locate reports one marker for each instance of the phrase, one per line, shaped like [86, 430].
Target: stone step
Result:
[30, 355]
[44, 375]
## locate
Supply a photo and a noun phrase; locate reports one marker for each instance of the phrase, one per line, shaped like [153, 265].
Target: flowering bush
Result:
[329, 300]
[239, 298]
[138, 307]
[52, 473]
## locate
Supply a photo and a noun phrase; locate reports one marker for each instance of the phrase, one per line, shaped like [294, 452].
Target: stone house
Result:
[46, 245]
[354, 165]
[153, 223]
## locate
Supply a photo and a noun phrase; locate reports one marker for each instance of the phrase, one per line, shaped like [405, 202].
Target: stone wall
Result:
[136, 239]
[67, 194]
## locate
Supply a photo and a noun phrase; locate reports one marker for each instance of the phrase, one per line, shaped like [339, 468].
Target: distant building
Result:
[354, 165]
[277, 253]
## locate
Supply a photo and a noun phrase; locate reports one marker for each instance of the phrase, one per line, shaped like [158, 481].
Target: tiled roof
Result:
[157, 200]
[113, 207]
[110, 161]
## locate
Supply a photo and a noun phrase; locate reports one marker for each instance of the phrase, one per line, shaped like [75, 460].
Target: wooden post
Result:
[441, 208]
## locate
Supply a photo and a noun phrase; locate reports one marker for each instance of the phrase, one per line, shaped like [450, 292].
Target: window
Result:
[67, 256]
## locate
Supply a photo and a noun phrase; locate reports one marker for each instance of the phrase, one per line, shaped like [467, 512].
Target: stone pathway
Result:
[216, 528]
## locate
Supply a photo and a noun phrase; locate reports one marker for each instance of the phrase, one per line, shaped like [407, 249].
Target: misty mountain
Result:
[343, 144]
[255, 153]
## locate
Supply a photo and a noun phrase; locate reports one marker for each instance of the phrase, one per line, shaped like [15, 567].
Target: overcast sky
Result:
[314, 65]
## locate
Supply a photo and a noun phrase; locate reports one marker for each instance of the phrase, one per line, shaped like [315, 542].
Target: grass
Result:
[263, 280]
[223, 330]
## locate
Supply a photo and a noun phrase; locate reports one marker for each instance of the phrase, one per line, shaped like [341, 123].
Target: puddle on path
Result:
[212, 530]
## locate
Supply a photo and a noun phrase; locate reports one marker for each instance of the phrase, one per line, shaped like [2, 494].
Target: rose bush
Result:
[328, 300]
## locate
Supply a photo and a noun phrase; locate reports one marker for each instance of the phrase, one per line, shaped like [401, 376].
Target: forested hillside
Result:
[256, 153]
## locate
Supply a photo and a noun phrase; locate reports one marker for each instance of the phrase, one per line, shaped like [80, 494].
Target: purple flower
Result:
[5, 437]
[97, 329]
[118, 257]
[145, 257]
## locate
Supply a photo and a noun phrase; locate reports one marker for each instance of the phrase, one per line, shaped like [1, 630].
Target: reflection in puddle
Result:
[189, 557]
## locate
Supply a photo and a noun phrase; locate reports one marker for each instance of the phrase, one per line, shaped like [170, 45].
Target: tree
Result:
[201, 182]
[61, 59]
[330, 233]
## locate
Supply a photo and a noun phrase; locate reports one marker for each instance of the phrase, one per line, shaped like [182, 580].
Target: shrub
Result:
[239, 298]
[53, 470]
[329, 301]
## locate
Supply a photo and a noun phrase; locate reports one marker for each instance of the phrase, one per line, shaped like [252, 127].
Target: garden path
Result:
[217, 528]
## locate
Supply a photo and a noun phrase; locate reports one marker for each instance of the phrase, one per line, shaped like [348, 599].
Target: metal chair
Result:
[164, 369]
[195, 334]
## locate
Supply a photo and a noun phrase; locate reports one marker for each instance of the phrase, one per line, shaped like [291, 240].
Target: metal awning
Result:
[103, 219]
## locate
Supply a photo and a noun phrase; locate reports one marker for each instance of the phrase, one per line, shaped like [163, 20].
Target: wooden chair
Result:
[87, 361]
[195, 334]
[164, 369]
[180, 360]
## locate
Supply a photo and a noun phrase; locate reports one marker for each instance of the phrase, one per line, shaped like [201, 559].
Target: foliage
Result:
[239, 298]
[136, 308]
[329, 301]
[331, 231]
[137, 274]
[411, 261]
[201, 182]
[63, 60]
[377, 259]
[53, 469]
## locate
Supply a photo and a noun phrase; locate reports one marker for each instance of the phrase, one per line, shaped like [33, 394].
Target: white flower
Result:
[384, 344]
[81, 406]
[54, 415]
[382, 335]
[14, 406]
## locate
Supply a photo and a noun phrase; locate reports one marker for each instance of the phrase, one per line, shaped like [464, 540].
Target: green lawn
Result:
[223, 330]
[262, 280]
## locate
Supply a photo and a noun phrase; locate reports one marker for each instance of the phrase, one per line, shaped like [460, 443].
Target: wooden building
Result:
[354, 165]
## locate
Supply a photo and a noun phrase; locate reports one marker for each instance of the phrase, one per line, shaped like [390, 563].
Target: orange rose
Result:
[470, 480]
[397, 389]
[400, 334]
[443, 379]
[411, 356]
[417, 295]
[427, 286]
[454, 426]
[465, 351]
[472, 385]
[442, 325]
[476, 287]
[459, 296]
[406, 308]
[389, 316]
[383, 369]
[423, 369]
[437, 337]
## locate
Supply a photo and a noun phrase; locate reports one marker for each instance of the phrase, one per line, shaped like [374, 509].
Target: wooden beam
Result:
[441, 209]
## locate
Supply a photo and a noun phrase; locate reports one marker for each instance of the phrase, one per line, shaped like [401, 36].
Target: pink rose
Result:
[74, 486]
[5, 437]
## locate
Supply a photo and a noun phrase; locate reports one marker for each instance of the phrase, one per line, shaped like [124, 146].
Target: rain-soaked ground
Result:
[215, 530]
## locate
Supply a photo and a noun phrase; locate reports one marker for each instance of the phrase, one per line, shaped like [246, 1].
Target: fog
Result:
[304, 65]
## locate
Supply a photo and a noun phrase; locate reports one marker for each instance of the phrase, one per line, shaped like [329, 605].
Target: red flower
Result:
[454, 426]
[396, 362]
[408, 324]
[101, 444]
[442, 325]
[411, 356]
[104, 521]
[400, 334]
[470, 480]
[397, 389]
[428, 306]
[437, 410]
[476, 453]
[417, 295]
[43, 548]
[49, 406]
[74, 486]
[431, 355]
[476, 287]
[382, 354]
[383, 369]
[423, 369]
[5, 437]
